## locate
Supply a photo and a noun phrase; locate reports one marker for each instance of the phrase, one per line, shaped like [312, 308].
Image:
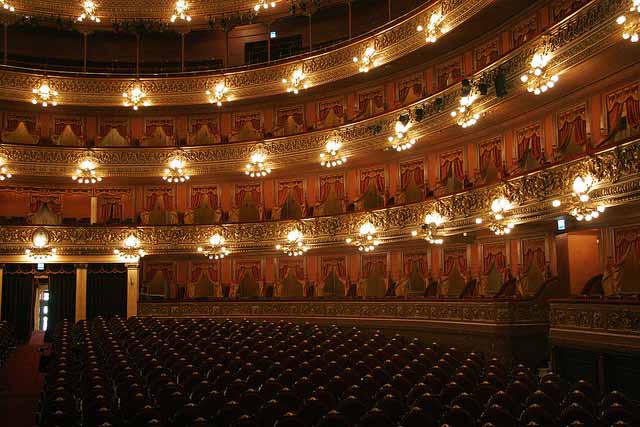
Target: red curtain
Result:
[209, 269]
[625, 245]
[111, 209]
[253, 270]
[491, 154]
[614, 113]
[152, 199]
[167, 272]
[411, 263]
[458, 168]
[329, 183]
[298, 271]
[416, 172]
[198, 197]
[633, 112]
[498, 259]
[52, 202]
[337, 265]
[529, 144]
[378, 179]
[576, 129]
[535, 256]
[60, 125]
[254, 195]
[293, 189]
[371, 266]
[337, 108]
[13, 123]
[167, 128]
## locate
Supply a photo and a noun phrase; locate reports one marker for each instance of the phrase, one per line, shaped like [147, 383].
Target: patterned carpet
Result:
[21, 383]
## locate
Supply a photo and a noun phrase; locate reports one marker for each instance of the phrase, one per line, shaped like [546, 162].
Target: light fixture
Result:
[297, 81]
[219, 94]
[432, 221]
[580, 205]
[135, 97]
[264, 4]
[86, 173]
[331, 156]
[366, 61]
[295, 244]
[631, 22]
[131, 251]
[400, 141]
[464, 114]
[175, 173]
[89, 12]
[366, 240]
[7, 6]
[433, 29]
[216, 248]
[44, 94]
[4, 172]
[499, 223]
[256, 166]
[180, 11]
[537, 79]
[41, 250]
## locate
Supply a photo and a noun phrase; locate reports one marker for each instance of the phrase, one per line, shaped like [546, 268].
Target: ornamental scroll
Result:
[331, 112]
[449, 73]
[528, 146]
[159, 132]
[68, 131]
[572, 130]
[21, 128]
[369, 103]
[487, 53]
[288, 120]
[247, 126]
[623, 112]
[204, 130]
[113, 132]
[412, 184]
[410, 89]
[491, 160]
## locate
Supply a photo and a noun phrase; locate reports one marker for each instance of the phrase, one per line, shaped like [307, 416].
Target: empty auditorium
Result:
[320, 213]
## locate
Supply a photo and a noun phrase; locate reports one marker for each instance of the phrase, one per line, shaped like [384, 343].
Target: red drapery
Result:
[253, 120]
[120, 126]
[111, 209]
[530, 144]
[337, 107]
[376, 265]
[576, 130]
[199, 196]
[293, 189]
[455, 259]
[627, 101]
[415, 172]
[535, 256]
[489, 155]
[626, 244]
[415, 261]
[338, 265]
[494, 258]
[211, 125]
[335, 183]
[163, 200]
[53, 203]
[151, 127]
[253, 270]
[377, 99]
[209, 269]
[298, 117]
[285, 268]
[375, 177]
[74, 125]
[14, 122]
[249, 191]
[152, 269]
[404, 92]
[452, 166]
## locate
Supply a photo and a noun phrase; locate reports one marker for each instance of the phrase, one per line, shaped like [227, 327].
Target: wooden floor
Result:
[20, 384]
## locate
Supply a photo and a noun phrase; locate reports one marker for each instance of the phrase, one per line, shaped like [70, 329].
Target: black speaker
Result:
[419, 112]
[466, 88]
[500, 82]
[404, 118]
[483, 88]
[438, 104]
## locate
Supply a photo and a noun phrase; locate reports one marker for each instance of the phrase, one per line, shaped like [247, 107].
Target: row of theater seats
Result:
[7, 341]
[203, 372]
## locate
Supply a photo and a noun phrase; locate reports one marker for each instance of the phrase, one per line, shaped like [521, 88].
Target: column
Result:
[1, 274]
[389, 8]
[81, 292]
[94, 210]
[133, 283]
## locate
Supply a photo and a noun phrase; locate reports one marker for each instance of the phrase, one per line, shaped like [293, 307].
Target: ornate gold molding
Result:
[391, 43]
[576, 39]
[616, 170]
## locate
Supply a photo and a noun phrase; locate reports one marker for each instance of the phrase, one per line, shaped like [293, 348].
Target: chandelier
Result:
[44, 94]
[366, 240]
[631, 23]
[401, 141]
[297, 81]
[433, 28]
[134, 97]
[264, 4]
[331, 156]
[295, 244]
[429, 229]
[366, 61]
[175, 173]
[216, 248]
[40, 251]
[89, 12]
[537, 79]
[7, 6]
[4, 172]
[498, 222]
[464, 115]
[256, 166]
[86, 173]
[580, 205]
[180, 11]
[218, 94]
[131, 251]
